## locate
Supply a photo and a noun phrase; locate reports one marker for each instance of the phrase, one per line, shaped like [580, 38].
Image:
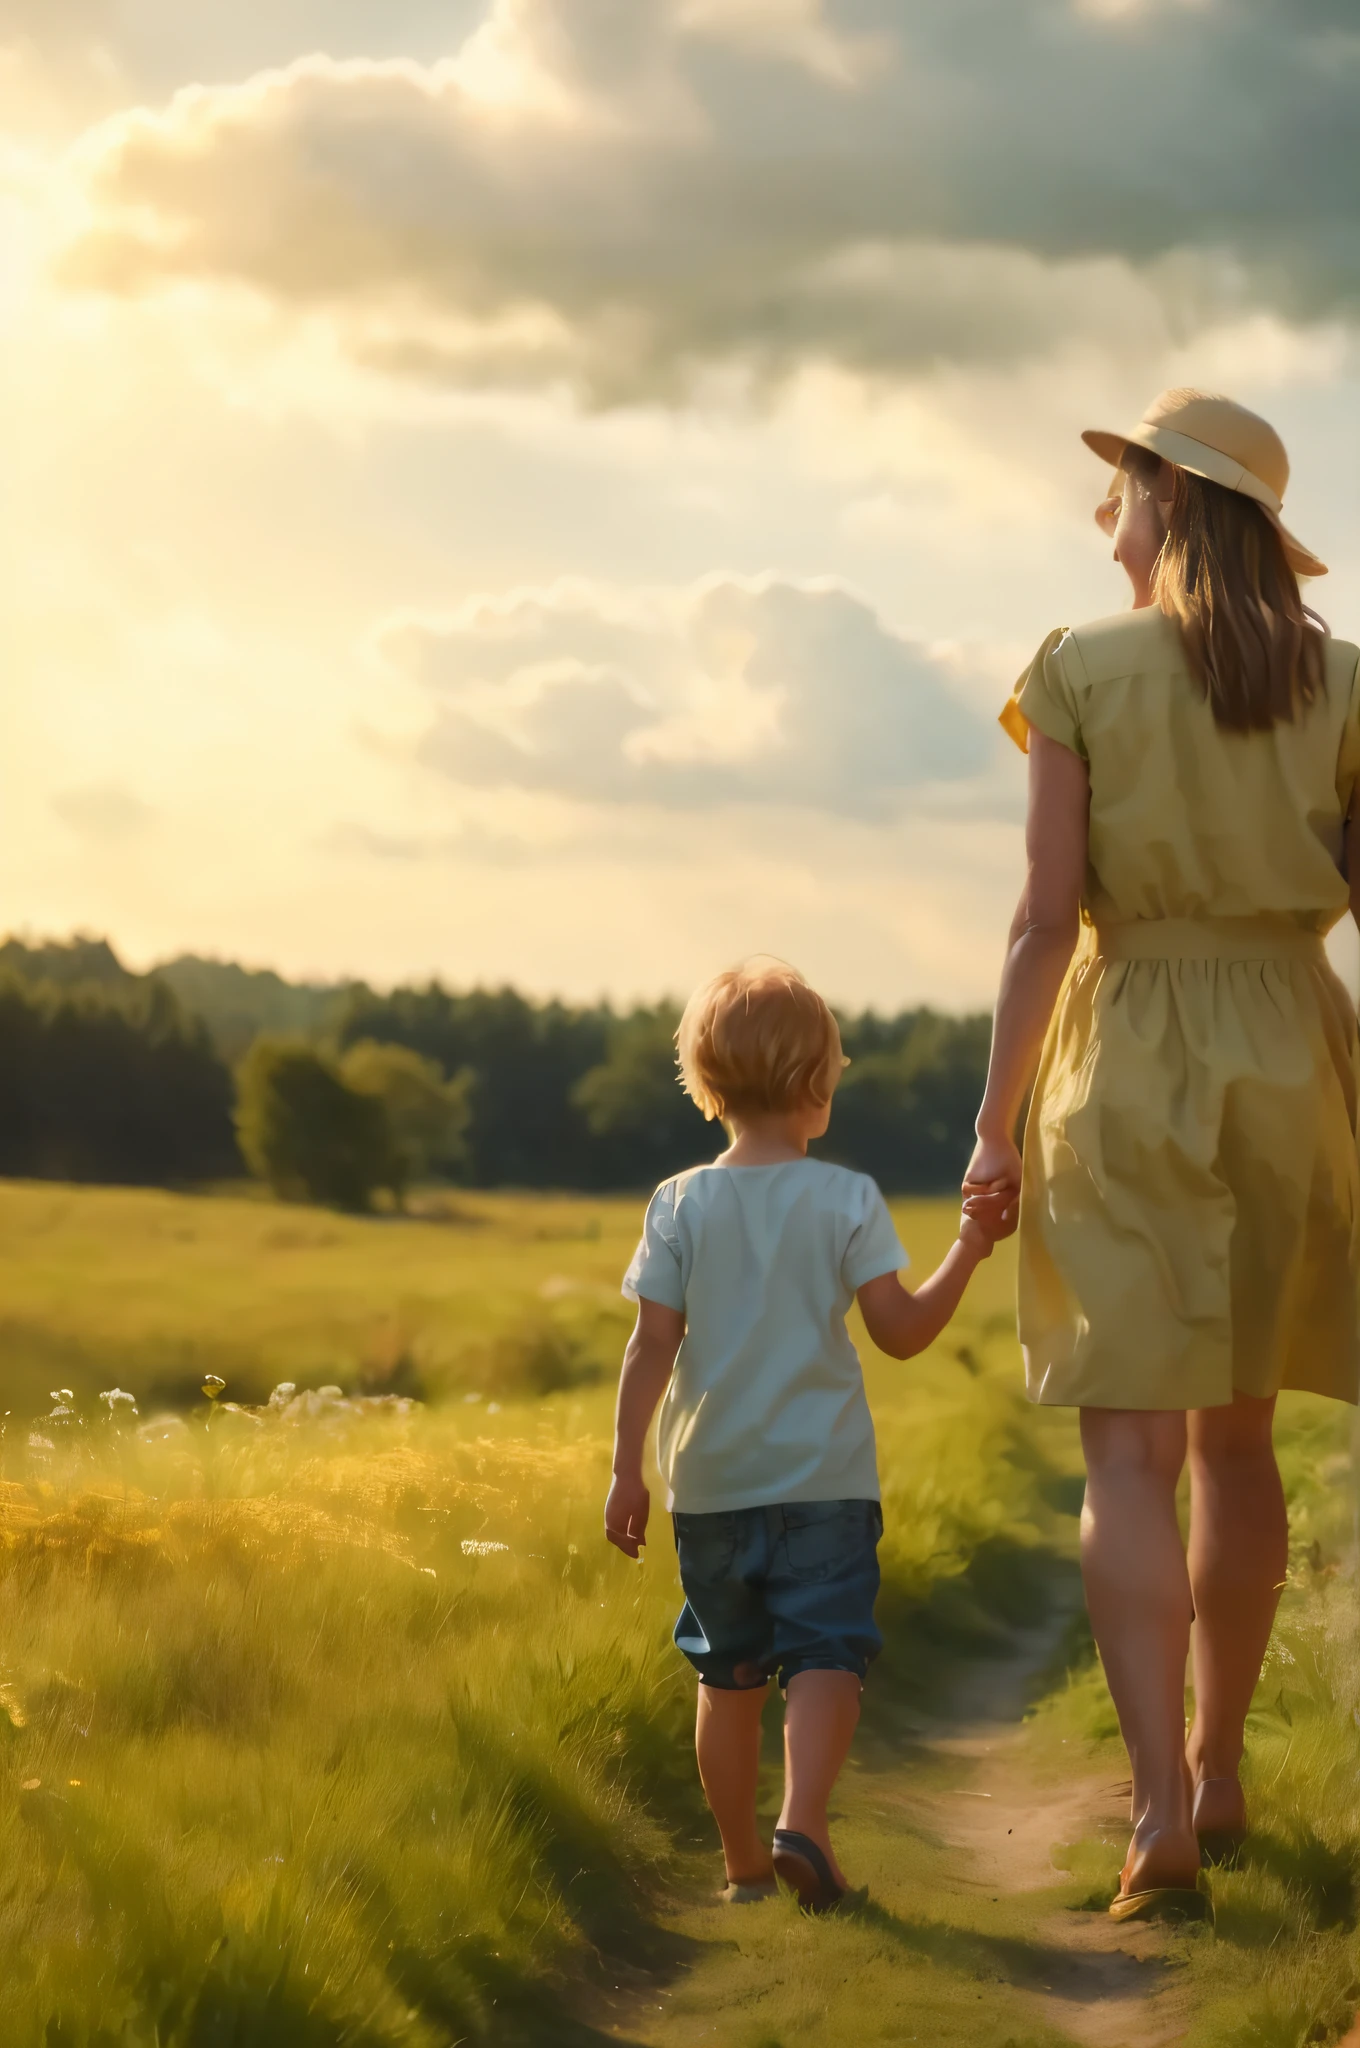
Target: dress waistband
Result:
[1208, 938]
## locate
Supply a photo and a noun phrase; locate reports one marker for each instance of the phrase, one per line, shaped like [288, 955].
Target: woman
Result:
[1190, 1211]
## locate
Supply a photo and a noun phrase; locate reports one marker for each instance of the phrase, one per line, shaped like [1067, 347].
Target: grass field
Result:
[348, 1731]
[510, 1295]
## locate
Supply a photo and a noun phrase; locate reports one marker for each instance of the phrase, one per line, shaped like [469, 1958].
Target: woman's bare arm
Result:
[1042, 939]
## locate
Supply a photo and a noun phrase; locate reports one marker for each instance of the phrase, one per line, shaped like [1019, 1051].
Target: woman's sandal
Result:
[800, 1864]
[1219, 1845]
[1164, 1902]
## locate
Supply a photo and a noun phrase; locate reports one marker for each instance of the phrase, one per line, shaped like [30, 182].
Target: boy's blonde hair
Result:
[755, 1038]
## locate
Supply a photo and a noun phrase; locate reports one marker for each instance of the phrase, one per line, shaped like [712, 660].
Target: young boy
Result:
[743, 1280]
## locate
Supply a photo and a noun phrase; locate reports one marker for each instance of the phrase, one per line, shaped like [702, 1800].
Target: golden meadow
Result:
[334, 1721]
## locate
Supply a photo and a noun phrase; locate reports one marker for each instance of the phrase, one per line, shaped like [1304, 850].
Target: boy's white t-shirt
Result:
[766, 1402]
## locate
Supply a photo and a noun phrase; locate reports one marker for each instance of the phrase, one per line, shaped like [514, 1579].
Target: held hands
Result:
[977, 1234]
[991, 1190]
[995, 1164]
[625, 1514]
[989, 1214]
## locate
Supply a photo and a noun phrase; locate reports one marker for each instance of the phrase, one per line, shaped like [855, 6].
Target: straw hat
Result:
[1216, 438]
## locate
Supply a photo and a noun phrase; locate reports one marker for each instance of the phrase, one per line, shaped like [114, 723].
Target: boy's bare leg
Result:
[819, 1725]
[727, 1743]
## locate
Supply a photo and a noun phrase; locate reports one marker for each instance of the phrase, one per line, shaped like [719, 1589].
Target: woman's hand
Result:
[991, 1187]
[994, 1167]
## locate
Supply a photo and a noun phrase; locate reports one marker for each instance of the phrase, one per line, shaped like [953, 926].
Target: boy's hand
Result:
[972, 1234]
[995, 1215]
[625, 1515]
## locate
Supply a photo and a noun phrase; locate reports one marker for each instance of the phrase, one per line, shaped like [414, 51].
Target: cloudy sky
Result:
[554, 490]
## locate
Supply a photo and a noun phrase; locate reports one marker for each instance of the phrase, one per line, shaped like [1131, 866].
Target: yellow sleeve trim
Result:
[1037, 684]
[1014, 723]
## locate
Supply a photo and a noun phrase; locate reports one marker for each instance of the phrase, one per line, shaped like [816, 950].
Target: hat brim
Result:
[1111, 448]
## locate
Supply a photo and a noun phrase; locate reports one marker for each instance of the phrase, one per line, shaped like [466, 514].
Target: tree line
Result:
[110, 1081]
[204, 1069]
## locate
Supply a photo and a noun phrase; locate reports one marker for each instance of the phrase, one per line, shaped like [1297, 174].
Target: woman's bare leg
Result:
[1239, 1551]
[727, 1742]
[1138, 1597]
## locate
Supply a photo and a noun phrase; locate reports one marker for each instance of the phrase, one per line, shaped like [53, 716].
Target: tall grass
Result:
[1283, 1969]
[340, 1727]
[350, 1729]
[504, 1295]
[324, 1735]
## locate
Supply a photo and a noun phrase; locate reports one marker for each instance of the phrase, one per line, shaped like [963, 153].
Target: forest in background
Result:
[203, 1068]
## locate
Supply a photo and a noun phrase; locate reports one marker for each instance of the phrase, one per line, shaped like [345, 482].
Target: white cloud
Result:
[797, 31]
[467, 846]
[438, 299]
[602, 195]
[726, 692]
[103, 812]
[1135, 11]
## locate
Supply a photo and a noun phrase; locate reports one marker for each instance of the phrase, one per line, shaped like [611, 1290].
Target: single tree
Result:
[524, 1129]
[426, 1116]
[305, 1131]
[640, 1121]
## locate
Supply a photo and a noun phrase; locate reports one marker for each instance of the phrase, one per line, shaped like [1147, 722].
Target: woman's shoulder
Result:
[1130, 643]
[1123, 644]
[1053, 692]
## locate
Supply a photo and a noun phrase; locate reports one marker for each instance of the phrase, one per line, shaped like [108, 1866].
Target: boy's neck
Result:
[771, 1139]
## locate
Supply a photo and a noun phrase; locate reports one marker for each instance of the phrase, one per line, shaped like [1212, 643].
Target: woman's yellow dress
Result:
[1190, 1217]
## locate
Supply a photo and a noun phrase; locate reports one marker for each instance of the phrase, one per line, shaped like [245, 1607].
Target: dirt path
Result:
[969, 1936]
[1108, 1986]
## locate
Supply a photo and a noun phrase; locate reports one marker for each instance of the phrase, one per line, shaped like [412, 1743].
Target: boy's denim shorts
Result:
[779, 1590]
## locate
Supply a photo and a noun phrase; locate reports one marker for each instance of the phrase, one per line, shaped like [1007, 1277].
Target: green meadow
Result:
[333, 1722]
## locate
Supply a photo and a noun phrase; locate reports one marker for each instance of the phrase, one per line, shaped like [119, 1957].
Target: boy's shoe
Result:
[800, 1864]
[748, 1892]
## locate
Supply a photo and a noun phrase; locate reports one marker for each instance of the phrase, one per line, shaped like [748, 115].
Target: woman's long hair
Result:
[1254, 648]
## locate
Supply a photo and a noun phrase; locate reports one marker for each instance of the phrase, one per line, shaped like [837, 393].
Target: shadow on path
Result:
[1028, 1964]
